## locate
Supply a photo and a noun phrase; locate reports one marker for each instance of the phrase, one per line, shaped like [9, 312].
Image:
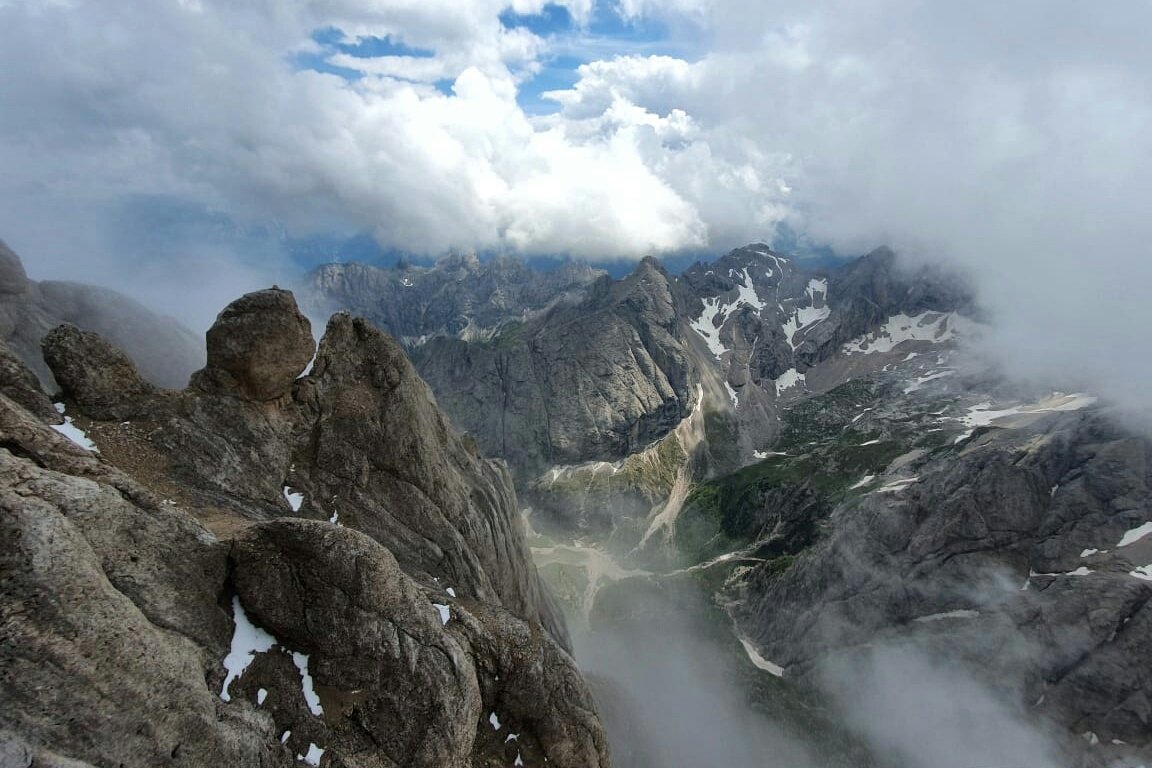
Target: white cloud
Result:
[1012, 137]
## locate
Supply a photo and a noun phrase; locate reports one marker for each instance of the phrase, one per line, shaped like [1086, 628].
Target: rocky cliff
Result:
[459, 297]
[1019, 551]
[270, 566]
[601, 379]
[164, 350]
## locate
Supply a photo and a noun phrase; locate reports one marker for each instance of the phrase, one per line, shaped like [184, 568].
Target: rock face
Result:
[614, 367]
[460, 297]
[165, 351]
[372, 563]
[1001, 553]
[109, 616]
[257, 347]
[21, 385]
[595, 381]
[99, 377]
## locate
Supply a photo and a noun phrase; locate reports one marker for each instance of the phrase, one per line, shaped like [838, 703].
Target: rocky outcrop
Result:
[460, 297]
[257, 347]
[379, 650]
[1002, 552]
[100, 378]
[165, 351]
[596, 381]
[21, 385]
[365, 655]
[109, 618]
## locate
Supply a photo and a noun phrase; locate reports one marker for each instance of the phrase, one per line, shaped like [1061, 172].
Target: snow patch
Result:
[715, 313]
[308, 368]
[451, 592]
[306, 684]
[759, 661]
[494, 721]
[863, 482]
[1142, 572]
[802, 319]
[732, 394]
[444, 611]
[294, 499]
[708, 328]
[313, 756]
[790, 378]
[897, 486]
[73, 432]
[961, 614]
[261, 695]
[1089, 552]
[919, 382]
[1134, 535]
[766, 454]
[984, 414]
[518, 760]
[335, 519]
[247, 641]
[926, 326]
[747, 293]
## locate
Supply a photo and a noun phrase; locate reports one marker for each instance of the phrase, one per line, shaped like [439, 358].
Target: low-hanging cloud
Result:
[1012, 138]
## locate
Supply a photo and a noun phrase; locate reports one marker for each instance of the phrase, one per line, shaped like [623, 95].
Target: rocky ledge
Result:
[271, 566]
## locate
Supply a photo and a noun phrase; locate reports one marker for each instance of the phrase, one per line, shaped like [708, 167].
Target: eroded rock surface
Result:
[164, 350]
[257, 347]
[1002, 553]
[99, 377]
[143, 613]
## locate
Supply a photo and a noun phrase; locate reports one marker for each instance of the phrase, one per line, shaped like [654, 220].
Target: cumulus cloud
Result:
[1013, 138]
[433, 152]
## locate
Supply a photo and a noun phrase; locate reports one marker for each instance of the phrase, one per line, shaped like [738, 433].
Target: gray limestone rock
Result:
[980, 557]
[257, 347]
[96, 375]
[20, 384]
[165, 351]
[595, 381]
[108, 617]
[460, 297]
[375, 644]
[115, 582]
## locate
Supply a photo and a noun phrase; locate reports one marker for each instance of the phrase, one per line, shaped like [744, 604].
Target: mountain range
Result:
[379, 550]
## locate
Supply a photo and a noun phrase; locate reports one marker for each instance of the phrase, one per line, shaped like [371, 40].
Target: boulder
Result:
[97, 376]
[257, 347]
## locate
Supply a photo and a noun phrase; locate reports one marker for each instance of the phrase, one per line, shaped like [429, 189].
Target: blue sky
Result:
[606, 35]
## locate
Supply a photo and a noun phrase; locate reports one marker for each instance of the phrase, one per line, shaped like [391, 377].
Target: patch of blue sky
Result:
[552, 19]
[607, 35]
[332, 40]
[557, 73]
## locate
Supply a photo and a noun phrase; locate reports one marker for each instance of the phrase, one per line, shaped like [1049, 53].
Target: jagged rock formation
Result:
[461, 297]
[1002, 551]
[100, 378]
[584, 400]
[604, 377]
[165, 351]
[257, 347]
[21, 385]
[404, 614]
[598, 380]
